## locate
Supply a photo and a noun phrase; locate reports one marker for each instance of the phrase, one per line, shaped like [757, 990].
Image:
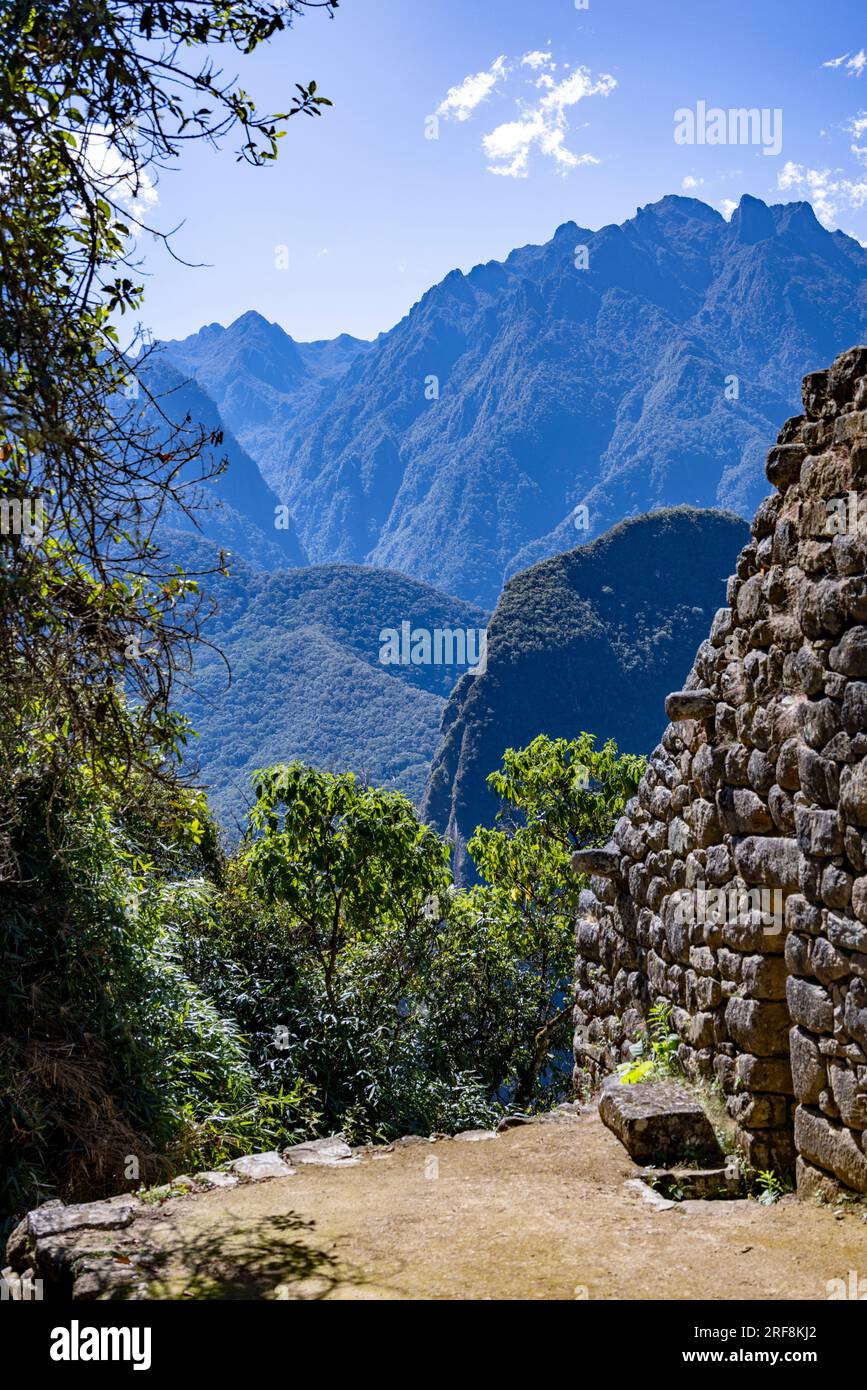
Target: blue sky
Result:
[555, 112]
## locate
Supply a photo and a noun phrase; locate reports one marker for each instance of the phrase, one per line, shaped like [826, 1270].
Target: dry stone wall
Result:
[735, 887]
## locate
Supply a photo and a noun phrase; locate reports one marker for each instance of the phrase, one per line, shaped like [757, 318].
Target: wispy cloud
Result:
[537, 59]
[830, 192]
[461, 101]
[854, 65]
[544, 127]
[541, 124]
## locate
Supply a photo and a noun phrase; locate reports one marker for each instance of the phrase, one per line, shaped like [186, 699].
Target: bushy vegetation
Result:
[169, 1008]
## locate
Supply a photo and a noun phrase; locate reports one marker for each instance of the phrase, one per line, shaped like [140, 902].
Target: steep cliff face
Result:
[735, 887]
[591, 639]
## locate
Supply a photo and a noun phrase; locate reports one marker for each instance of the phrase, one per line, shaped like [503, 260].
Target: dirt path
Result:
[539, 1212]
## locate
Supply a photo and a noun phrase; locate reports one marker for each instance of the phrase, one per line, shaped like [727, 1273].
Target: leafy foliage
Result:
[657, 1053]
[340, 947]
[94, 100]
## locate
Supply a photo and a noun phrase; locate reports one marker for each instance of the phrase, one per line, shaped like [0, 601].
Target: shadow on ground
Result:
[274, 1258]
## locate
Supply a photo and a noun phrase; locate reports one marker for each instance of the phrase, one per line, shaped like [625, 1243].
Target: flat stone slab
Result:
[603, 862]
[659, 1123]
[473, 1136]
[216, 1178]
[648, 1194]
[255, 1167]
[323, 1153]
[696, 1184]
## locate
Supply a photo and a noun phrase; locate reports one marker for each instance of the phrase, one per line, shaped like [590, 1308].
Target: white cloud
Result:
[579, 84]
[854, 65]
[829, 193]
[727, 207]
[690, 182]
[461, 101]
[537, 59]
[544, 126]
[136, 192]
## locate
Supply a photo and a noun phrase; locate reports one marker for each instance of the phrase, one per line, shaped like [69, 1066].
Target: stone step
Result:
[660, 1123]
[695, 1184]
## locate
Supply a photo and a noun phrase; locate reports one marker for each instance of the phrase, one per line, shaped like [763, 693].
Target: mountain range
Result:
[295, 671]
[625, 369]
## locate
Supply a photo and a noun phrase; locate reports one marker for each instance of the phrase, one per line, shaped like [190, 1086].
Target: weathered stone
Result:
[54, 1219]
[690, 704]
[787, 765]
[854, 711]
[849, 657]
[809, 1073]
[782, 808]
[810, 1005]
[849, 1095]
[757, 1026]
[216, 1178]
[836, 887]
[696, 1184]
[603, 862]
[783, 466]
[718, 864]
[764, 977]
[765, 1074]
[815, 1185]
[762, 1111]
[830, 1146]
[742, 812]
[770, 861]
[855, 1012]
[659, 1123]
[323, 1153]
[818, 776]
[848, 935]
[768, 1149]
[828, 963]
[257, 1167]
[853, 793]
[818, 833]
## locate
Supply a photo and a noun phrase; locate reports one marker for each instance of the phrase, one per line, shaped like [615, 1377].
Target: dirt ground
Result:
[540, 1212]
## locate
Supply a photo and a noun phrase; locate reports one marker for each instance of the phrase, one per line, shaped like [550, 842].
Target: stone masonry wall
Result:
[759, 788]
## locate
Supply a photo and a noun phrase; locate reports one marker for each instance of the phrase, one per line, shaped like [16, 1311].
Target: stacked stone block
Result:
[735, 886]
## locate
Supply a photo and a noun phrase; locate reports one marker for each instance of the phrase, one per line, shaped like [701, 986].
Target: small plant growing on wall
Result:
[654, 1055]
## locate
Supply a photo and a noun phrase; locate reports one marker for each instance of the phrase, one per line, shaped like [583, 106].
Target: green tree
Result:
[322, 945]
[558, 795]
[95, 99]
[353, 867]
